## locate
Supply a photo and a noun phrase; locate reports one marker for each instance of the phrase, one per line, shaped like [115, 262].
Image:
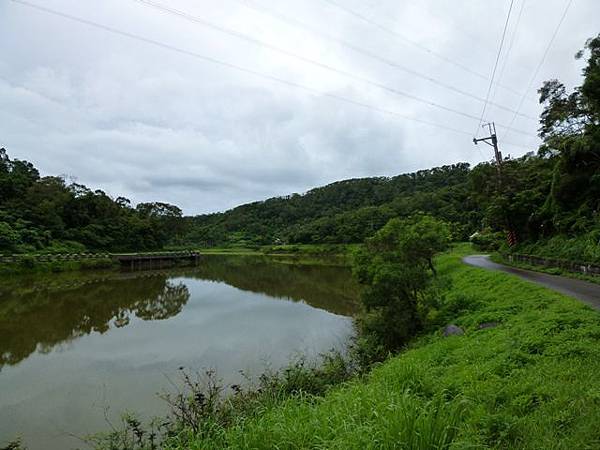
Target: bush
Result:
[27, 262]
[61, 247]
[204, 407]
[395, 268]
[487, 240]
[585, 248]
[9, 238]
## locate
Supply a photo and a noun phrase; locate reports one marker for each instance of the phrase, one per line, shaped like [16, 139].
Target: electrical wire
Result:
[312, 91]
[510, 47]
[323, 35]
[352, 76]
[236, 67]
[487, 96]
[414, 43]
[540, 64]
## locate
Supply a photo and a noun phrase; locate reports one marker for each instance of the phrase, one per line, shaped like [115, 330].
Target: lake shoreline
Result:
[75, 339]
[334, 255]
[504, 381]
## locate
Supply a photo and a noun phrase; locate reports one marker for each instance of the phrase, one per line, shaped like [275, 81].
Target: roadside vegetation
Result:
[521, 373]
[584, 248]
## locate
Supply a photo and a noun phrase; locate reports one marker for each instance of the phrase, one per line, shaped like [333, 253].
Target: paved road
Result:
[581, 290]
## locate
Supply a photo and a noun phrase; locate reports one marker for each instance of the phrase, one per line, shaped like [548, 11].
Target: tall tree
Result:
[395, 267]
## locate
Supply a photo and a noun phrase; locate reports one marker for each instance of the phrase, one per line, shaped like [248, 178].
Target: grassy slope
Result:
[532, 382]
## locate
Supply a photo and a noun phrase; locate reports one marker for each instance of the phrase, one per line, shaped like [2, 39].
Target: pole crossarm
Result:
[485, 140]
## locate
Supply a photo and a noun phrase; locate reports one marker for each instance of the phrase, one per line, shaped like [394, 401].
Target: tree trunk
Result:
[431, 267]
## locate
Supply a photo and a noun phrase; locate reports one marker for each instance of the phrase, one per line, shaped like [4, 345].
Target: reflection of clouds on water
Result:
[228, 326]
[114, 342]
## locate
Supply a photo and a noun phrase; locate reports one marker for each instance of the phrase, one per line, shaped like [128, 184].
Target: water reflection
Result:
[36, 317]
[41, 312]
[74, 344]
[327, 287]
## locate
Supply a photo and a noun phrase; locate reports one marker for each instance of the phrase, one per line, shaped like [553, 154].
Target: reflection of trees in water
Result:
[326, 287]
[167, 303]
[43, 318]
[72, 305]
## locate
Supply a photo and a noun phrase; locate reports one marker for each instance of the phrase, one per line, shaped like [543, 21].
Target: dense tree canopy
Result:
[395, 267]
[46, 213]
[343, 212]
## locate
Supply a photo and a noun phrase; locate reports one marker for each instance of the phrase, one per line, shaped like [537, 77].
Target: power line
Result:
[487, 96]
[236, 67]
[541, 63]
[415, 43]
[473, 38]
[252, 40]
[510, 47]
[296, 23]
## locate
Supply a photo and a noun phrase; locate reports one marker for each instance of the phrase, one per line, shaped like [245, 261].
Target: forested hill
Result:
[45, 213]
[341, 212]
[544, 196]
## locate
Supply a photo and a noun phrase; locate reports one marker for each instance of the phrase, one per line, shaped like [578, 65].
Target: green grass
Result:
[309, 254]
[532, 382]
[298, 250]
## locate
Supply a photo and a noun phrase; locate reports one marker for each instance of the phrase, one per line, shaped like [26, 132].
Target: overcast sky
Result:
[136, 119]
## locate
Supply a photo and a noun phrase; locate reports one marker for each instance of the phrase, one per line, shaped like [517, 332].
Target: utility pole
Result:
[492, 141]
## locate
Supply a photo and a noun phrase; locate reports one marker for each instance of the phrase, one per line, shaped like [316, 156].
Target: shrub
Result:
[487, 240]
[395, 268]
[9, 238]
[27, 262]
[204, 407]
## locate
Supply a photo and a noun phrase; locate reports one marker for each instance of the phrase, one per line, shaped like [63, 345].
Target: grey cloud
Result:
[140, 121]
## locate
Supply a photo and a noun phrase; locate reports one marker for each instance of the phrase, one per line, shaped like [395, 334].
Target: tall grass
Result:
[530, 382]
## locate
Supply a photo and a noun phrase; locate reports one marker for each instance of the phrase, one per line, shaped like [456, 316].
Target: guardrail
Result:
[571, 266]
[82, 256]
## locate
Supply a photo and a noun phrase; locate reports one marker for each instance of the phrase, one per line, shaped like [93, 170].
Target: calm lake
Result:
[77, 347]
